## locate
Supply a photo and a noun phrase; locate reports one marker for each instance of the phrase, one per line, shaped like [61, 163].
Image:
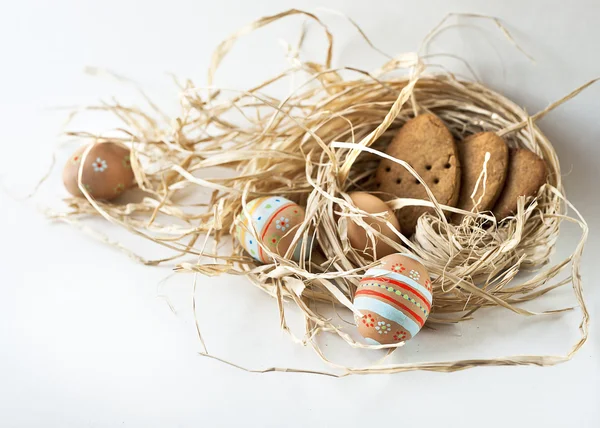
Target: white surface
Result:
[84, 340]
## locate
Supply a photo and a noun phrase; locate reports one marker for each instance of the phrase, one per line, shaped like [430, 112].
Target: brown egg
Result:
[106, 173]
[358, 236]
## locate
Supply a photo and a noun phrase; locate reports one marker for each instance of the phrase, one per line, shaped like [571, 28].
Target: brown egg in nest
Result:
[106, 173]
[358, 236]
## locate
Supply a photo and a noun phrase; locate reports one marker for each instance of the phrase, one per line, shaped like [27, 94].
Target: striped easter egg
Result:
[394, 299]
[275, 220]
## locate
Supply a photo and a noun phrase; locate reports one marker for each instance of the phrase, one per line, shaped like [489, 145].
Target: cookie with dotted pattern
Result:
[427, 145]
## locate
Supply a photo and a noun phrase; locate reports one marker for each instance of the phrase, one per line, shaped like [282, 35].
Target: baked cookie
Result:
[428, 146]
[526, 174]
[472, 155]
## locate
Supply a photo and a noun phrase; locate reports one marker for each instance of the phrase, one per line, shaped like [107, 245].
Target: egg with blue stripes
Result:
[275, 221]
[394, 299]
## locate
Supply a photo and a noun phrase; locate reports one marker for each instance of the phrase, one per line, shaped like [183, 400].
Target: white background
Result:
[85, 340]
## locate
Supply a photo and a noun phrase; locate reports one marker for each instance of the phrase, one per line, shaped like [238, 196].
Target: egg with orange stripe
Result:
[394, 299]
[275, 220]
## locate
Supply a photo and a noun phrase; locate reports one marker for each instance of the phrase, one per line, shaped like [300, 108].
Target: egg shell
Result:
[358, 237]
[394, 299]
[106, 173]
[275, 220]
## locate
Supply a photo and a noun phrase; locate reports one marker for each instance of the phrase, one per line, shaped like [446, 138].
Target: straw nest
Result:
[314, 146]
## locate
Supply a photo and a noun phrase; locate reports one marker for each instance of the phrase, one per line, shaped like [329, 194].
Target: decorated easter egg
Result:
[357, 235]
[106, 173]
[394, 299]
[275, 220]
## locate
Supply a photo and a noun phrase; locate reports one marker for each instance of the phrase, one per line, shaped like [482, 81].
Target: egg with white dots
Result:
[395, 300]
[275, 221]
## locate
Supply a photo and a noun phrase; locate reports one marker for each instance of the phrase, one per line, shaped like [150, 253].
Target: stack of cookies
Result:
[479, 173]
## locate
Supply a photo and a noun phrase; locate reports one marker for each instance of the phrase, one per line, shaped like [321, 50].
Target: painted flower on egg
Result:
[399, 336]
[282, 223]
[413, 274]
[99, 165]
[397, 267]
[382, 327]
[119, 188]
[368, 320]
